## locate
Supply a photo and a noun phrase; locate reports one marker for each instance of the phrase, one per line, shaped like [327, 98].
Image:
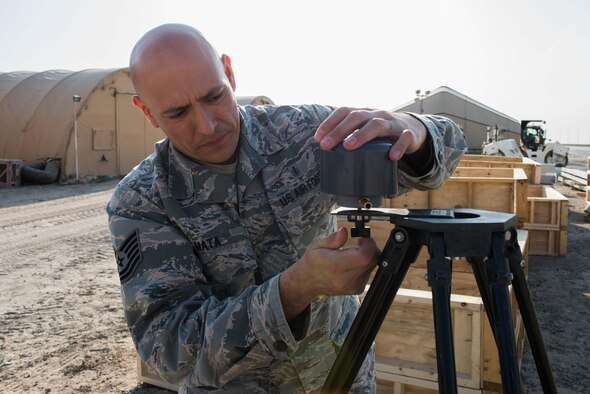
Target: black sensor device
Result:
[359, 178]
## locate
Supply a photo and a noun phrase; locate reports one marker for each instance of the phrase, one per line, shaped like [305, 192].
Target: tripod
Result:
[489, 241]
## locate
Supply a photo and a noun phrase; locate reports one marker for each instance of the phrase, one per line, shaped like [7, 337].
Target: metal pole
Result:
[76, 100]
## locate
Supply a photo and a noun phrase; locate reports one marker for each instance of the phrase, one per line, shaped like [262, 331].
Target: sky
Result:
[529, 59]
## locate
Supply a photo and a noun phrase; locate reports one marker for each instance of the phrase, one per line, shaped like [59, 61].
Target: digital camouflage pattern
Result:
[200, 254]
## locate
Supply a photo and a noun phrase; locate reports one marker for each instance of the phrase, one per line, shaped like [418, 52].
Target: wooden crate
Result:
[531, 168]
[147, 375]
[405, 343]
[492, 189]
[406, 351]
[547, 221]
[391, 383]
[10, 172]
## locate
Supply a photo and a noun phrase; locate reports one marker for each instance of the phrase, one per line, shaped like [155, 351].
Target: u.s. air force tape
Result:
[128, 256]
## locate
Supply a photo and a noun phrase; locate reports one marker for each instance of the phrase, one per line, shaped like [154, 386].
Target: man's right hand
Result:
[327, 269]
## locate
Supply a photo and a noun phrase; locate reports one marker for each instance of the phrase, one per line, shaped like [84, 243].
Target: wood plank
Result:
[391, 383]
[405, 343]
[579, 176]
[504, 159]
[532, 169]
[147, 375]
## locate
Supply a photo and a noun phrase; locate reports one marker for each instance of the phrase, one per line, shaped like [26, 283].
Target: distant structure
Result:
[254, 100]
[40, 113]
[472, 116]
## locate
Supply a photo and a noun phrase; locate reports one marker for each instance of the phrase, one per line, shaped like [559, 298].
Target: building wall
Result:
[472, 117]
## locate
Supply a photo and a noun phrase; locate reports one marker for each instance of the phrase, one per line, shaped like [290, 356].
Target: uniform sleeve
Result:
[448, 146]
[189, 336]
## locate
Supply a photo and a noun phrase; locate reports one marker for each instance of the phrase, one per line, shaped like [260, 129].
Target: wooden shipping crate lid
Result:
[505, 159]
[533, 170]
[488, 174]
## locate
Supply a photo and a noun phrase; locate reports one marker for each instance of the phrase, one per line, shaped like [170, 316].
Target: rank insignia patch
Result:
[128, 256]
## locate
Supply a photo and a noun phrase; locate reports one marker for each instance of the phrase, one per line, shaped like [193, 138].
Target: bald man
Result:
[232, 270]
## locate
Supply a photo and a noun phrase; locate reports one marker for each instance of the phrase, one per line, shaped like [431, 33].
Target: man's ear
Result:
[146, 111]
[229, 72]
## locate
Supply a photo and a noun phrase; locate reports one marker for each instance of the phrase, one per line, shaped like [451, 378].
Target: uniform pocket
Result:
[228, 261]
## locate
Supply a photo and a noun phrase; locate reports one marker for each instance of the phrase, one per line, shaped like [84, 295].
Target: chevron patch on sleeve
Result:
[128, 256]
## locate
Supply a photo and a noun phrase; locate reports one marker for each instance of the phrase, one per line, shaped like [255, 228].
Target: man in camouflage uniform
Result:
[233, 275]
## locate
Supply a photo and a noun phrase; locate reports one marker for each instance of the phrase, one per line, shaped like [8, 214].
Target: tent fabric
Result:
[19, 104]
[254, 100]
[10, 80]
[36, 111]
[49, 127]
[39, 120]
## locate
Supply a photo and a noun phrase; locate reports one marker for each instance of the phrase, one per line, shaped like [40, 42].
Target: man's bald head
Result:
[186, 89]
[163, 45]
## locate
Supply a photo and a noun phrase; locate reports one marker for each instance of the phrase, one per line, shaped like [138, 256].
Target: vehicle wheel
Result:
[550, 160]
[549, 157]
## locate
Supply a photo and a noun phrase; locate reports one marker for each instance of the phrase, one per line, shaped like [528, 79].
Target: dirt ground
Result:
[61, 321]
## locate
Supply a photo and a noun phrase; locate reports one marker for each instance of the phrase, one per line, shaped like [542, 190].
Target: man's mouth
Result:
[214, 142]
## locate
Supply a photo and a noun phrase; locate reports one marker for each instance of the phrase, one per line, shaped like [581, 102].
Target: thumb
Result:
[333, 241]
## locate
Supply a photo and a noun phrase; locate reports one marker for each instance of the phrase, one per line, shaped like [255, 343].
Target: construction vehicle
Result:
[533, 144]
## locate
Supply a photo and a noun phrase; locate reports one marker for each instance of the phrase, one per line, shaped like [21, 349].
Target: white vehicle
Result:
[533, 144]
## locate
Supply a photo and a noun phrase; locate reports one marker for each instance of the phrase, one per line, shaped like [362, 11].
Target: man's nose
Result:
[204, 121]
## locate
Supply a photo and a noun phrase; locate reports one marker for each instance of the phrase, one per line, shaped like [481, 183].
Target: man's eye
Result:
[215, 97]
[177, 114]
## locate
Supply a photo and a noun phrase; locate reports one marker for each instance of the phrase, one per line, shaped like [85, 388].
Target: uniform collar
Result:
[190, 179]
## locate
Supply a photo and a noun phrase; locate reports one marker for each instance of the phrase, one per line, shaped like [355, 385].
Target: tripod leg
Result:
[439, 279]
[529, 317]
[477, 265]
[395, 259]
[499, 277]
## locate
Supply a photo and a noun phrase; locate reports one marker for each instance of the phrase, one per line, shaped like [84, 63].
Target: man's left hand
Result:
[355, 127]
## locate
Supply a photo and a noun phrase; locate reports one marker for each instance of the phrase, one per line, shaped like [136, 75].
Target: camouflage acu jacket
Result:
[200, 254]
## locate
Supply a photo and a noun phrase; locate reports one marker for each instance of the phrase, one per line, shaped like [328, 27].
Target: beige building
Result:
[472, 116]
[39, 117]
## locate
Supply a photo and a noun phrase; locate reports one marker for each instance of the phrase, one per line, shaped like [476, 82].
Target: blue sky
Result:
[526, 58]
